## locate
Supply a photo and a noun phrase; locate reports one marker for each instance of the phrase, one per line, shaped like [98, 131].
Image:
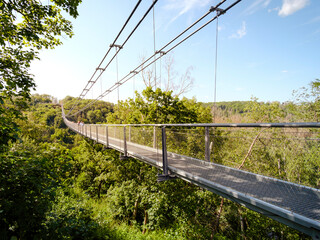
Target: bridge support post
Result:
[107, 137]
[165, 176]
[86, 130]
[164, 152]
[124, 156]
[154, 137]
[97, 133]
[207, 144]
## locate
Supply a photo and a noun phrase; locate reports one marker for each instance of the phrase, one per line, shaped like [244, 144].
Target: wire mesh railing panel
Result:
[288, 154]
[141, 135]
[115, 135]
[101, 134]
[186, 141]
[145, 141]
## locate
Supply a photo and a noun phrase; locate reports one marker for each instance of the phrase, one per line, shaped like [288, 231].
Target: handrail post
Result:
[90, 131]
[124, 156]
[164, 152]
[165, 176]
[129, 133]
[97, 133]
[154, 137]
[107, 137]
[207, 144]
[124, 141]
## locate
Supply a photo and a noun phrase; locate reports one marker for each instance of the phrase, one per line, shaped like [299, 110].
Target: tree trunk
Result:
[242, 224]
[136, 205]
[145, 221]
[216, 225]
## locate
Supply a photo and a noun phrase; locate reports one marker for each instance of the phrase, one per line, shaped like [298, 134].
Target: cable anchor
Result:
[219, 11]
[116, 45]
[161, 52]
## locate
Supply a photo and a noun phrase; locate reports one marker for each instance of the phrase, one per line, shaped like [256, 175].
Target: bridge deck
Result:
[295, 205]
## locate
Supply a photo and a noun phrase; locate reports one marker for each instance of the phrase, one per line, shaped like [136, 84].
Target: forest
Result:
[58, 185]
[55, 184]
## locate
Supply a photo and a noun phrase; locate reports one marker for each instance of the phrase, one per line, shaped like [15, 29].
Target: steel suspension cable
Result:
[154, 50]
[135, 28]
[136, 70]
[117, 81]
[120, 47]
[154, 2]
[84, 91]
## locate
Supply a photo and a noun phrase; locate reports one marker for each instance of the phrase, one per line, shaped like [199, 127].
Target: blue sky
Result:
[266, 49]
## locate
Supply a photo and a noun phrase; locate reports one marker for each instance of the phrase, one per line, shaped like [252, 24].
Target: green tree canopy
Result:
[308, 99]
[159, 107]
[25, 28]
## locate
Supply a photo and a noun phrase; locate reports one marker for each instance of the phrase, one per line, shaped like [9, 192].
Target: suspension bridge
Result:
[167, 146]
[295, 205]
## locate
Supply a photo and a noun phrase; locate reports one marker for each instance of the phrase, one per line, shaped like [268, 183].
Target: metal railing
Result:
[270, 168]
[286, 151]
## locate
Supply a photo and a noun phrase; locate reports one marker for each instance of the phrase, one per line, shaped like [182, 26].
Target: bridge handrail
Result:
[308, 224]
[246, 125]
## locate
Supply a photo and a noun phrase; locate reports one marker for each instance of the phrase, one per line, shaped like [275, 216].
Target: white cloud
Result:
[277, 9]
[313, 20]
[240, 32]
[291, 6]
[257, 5]
[184, 6]
[284, 71]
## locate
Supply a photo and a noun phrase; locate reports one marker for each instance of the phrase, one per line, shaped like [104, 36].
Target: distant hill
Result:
[233, 106]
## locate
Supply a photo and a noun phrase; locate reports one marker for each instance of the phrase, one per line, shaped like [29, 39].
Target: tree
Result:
[264, 112]
[95, 113]
[29, 174]
[25, 28]
[172, 82]
[308, 99]
[159, 107]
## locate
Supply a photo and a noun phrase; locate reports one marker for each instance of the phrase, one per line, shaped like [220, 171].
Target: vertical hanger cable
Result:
[215, 71]
[154, 50]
